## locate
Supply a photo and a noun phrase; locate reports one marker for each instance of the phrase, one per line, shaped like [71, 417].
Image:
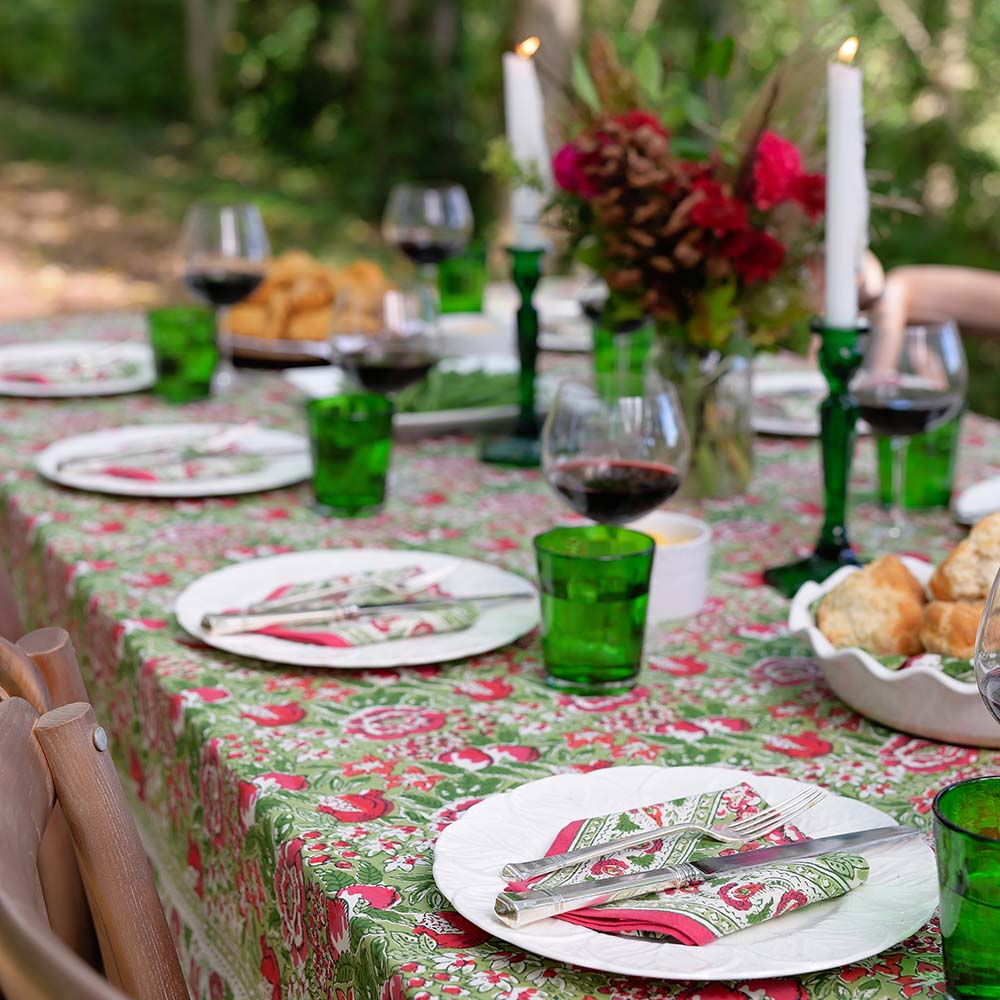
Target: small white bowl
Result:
[679, 585]
[460, 334]
[921, 699]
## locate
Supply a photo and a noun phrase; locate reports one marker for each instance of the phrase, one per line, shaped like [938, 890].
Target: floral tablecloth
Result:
[291, 814]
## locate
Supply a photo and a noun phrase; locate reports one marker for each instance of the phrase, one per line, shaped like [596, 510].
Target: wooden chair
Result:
[43, 670]
[63, 755]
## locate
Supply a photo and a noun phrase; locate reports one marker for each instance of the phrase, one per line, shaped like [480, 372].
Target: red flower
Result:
[391, 722]
[276, 715]
[740, 897]
[269, 968]
[358, 808]
[289, 887]
[923, 756]
[756, 256]
[777, 164]
[809, 190]
[494, 689]
[569, 168]
[717, 211]
[378, 897]
[635, 119]
[806, 744]
[609, 866]
[791, 900]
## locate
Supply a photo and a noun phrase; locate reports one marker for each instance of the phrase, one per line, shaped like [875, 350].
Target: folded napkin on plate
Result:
[177, 468]
[700, 913]
[36, 378]
[368, 588]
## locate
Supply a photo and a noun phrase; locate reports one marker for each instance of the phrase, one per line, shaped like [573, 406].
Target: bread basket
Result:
[919, 699]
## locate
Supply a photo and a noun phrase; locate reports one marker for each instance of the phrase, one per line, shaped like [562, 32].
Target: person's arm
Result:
[968, 295]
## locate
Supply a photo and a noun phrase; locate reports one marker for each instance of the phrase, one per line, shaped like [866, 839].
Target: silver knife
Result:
[518, 909]
[234, 623]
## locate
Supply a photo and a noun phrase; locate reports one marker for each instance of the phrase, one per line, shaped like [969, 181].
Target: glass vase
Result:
[716, 395]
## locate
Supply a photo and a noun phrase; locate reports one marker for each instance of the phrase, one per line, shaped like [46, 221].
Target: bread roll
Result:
[310, 324]
[246, 319]
[968, 572]
[949, 628]
[878, 608]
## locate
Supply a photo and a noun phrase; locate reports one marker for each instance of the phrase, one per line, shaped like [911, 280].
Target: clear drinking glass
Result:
[910, 381]
[617, 451]
[429, 223]
[224, 249]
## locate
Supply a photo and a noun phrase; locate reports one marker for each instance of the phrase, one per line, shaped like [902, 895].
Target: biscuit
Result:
[878, 608]
[310, 324]
[246, 319]
[968, 572]
[949, 628]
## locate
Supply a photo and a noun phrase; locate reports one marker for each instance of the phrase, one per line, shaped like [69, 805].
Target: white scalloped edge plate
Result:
[896, 901]
[921, 699]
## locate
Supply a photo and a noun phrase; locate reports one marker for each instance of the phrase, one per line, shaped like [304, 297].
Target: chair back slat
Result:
[11, 625]
[51, 650]
[20, 678]
[138, 952]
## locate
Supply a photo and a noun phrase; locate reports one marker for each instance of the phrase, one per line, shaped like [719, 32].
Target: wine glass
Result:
[987, 657]
[389, 351]
[910, 381]
[429, 223]
[618, 452]
[224, 249]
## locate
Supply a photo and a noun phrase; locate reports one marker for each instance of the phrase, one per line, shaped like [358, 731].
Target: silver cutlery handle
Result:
[229, 624]
[517, 871]
[518, 909]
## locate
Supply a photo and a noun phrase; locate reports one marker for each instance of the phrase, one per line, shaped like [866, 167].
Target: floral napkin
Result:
[178, 468]
[73, 371]
[368, 588]
[700, 913]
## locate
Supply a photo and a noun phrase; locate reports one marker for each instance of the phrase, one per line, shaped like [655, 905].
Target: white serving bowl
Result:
[679, 584]
[922, 699]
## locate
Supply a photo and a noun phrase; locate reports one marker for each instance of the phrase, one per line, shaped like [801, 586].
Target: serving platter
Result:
[919, 698]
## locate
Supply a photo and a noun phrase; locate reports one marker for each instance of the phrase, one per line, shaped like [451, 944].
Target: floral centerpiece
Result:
[708, 238]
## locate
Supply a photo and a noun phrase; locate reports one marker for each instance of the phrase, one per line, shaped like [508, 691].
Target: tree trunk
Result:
[202, 41]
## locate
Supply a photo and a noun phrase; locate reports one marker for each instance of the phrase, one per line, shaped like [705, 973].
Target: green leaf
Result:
[591, 255]
[722, 56]
[697, 109]
[583, 84]
[690, 148]
[648, 70]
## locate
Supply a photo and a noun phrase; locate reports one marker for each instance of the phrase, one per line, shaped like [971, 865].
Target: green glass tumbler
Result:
[351, 440]
[621, 349]
[594, 589]
[462, 280]
[928, 467]
[185, 352]
[967, 834]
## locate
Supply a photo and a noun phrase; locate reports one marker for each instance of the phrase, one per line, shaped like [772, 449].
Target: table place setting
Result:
[841, 883]
[177, 460]
[381, 608]
[75, 368]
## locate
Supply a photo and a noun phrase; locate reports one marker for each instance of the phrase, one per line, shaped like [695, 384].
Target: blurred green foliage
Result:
[325, 103]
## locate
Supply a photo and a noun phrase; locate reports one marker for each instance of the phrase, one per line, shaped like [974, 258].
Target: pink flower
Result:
[289, 887]
[807, 744]
[450, 930]
[740, 897]
[791, 900]
[776, 166]
[269, 968]
[925, 757]
[569, 168]
[391, 722]
[609, 866]
[359, 808]
[210, 784]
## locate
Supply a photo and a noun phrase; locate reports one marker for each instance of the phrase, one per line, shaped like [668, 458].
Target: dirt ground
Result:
[60, 251]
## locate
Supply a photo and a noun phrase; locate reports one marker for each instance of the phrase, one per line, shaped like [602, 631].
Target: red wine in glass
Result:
[614, 491]
[388, 373]
[222, 287]
[428, 253]
[908, 411]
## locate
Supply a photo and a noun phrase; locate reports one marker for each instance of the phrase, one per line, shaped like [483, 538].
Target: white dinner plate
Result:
[254, 579]
[786, 404]
[98, 378]
[292, 465]
[897, 900]
[978, 501]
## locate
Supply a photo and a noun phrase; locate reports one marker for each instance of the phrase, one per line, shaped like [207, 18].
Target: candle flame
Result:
[528, 47]
[848, 50]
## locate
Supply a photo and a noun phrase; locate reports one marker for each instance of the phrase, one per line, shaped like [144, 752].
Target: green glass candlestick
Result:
[839, 359]
[523, 447]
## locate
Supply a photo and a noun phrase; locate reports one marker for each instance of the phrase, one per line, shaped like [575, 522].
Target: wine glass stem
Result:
[225, 370]
[897, 515]
[427, 279]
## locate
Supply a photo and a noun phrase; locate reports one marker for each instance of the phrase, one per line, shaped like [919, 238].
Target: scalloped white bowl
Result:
[921, 699]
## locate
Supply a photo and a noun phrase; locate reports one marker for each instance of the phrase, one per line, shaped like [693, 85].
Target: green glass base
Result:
[822, 563]
[521, 451]
[584, 686]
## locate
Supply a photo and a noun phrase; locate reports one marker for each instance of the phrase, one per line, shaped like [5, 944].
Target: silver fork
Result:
[740, 831]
